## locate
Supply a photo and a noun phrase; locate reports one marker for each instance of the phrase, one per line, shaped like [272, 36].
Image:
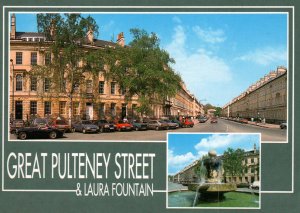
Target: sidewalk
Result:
[265, 125]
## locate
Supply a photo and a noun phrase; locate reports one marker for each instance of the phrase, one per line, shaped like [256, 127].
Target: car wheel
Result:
[73, 130]
[23, 135]
[119, 129]
[157, 128]
[136, 129]
[52, 135]
[101, 130]
[83, 131]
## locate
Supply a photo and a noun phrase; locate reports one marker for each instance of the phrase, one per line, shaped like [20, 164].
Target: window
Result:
[19, 57]
[29, 39]
[113, 109]
[101, 87]
[89, 86]
[101, 110]
[112, 88]
[33, 60]
[19, 82]
[33, 107]
[62, 107]
[47, 58]
[47, 84]
[76, 108]
[33, 83]
[47, 108]
[123, 90]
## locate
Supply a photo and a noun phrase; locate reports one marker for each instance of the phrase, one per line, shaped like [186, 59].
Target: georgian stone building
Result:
[265, 100]
[251, 160]
[96, 98]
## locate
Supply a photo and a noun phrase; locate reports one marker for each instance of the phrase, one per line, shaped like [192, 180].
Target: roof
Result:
[97, 42]
[20, 35]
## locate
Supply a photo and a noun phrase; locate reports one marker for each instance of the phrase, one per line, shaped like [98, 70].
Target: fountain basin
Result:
[212, 187]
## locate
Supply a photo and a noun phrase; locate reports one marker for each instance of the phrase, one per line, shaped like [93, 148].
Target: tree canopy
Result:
[233, 162]
[143, 68]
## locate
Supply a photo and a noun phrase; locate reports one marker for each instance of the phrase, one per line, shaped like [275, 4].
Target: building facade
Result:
[251, 174]
[96, 98]
[265, 100]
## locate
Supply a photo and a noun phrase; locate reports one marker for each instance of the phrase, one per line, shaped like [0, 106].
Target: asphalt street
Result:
[223, 126]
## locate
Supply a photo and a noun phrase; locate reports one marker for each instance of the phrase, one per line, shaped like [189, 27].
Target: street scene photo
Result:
[138, 76]
[213, 170]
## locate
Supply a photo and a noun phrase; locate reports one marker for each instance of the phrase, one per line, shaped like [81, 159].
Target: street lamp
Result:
[13, 89]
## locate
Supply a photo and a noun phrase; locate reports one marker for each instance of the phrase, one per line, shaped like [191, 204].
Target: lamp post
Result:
[13, 88]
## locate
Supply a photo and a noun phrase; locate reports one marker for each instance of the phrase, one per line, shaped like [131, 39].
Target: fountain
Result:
[210, 188]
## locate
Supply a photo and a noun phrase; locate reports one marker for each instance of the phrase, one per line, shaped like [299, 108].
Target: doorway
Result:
[89, 111]
[19, 110]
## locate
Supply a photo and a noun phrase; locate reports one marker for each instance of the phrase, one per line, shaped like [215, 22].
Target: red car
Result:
[213, 120]
[61, 125]
[187, 123]
[122, 126]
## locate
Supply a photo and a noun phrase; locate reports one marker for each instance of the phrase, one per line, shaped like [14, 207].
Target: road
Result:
[223, 126]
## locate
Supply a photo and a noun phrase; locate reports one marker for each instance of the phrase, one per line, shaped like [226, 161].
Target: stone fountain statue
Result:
[211, 188]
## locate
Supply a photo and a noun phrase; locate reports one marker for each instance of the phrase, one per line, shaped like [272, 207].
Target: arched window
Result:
[19, 82]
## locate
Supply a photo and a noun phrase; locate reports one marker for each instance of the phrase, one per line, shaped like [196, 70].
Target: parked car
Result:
[61, 124]
[243, 120]
[113, 123]
[105, 126]
[139, 125]
[177, 121]
[202, 119]
[213, 120]
[85, 126]
[187, 123]
[157, 125]
[39, 122]
[255, 185]
[283, 125]
[122, 126]
[38, 132]
[15, 125]
[172, 125]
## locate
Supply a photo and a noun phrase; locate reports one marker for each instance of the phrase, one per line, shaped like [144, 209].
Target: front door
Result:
[124, 110]
[89, 111]
[19, 110]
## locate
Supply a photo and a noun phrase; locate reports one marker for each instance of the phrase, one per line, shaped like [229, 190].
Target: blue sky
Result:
[218, 55]
[183, 149]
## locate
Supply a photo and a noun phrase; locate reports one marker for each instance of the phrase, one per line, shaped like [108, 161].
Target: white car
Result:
[255, 185]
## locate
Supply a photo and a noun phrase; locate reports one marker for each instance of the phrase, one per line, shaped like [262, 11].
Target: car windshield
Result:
[86, 122]
[41, 121]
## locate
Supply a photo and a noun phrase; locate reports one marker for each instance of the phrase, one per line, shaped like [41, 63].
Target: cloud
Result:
[176, 20]
[265, 56]
[178, 162]
[108, 27]
[201, 70]
[209, 35]
[220, 141]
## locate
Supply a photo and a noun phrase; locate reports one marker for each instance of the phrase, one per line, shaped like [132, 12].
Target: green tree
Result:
[143, 68]
[233, 162]
[65, 35]
[218, 111]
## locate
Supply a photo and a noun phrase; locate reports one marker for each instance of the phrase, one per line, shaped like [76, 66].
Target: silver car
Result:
[85, 126]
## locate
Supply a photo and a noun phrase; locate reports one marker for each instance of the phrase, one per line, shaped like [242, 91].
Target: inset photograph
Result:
[213, 170]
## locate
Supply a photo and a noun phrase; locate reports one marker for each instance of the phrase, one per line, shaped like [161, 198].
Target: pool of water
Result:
[232, 199]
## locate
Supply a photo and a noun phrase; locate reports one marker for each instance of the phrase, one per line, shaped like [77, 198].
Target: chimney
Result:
[121, 40]
[13, 27]
[90, 36]
[254, 148]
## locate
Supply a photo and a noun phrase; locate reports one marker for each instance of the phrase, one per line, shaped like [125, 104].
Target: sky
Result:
[217, 55]
[183, 149]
